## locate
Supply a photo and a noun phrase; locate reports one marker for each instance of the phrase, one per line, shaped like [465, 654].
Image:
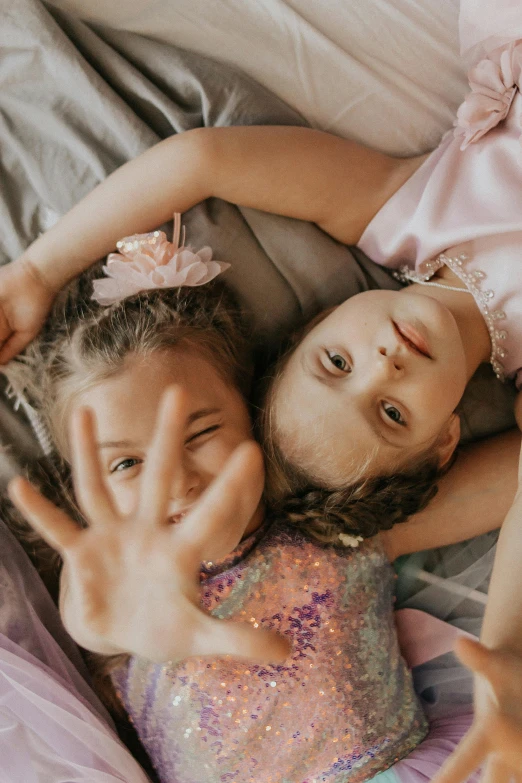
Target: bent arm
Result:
[474, 497]
[297, 172]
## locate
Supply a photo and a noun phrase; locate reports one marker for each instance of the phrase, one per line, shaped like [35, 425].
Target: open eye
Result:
[338, 361]
[393, 413]
[125, 464]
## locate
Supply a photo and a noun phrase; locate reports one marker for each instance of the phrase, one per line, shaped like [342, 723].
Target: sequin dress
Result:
[463, 207]
[341, 708]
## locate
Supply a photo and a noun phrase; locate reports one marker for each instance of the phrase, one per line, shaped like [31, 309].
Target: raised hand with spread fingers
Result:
[131, 582]
[494, 741]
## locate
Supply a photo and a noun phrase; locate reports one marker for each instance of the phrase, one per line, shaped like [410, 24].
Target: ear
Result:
[448, 440]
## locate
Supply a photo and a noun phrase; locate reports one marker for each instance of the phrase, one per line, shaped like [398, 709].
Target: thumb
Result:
[241, 640]
[474, 655]
[14, 345]
[489, 664]
[217, 525]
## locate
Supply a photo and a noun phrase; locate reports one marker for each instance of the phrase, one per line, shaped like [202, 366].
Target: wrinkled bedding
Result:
[343, 64]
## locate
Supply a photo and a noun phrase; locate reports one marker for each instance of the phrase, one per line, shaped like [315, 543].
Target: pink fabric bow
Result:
[148, 261]
[493, 83]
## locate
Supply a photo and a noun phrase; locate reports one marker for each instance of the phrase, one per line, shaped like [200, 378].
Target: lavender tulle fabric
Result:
[53, 729]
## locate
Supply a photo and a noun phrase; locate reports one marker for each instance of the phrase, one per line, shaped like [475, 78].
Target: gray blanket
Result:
[76, 102]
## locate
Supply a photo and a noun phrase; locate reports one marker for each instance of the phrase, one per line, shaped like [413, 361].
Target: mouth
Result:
[412, 338]
[175, 518]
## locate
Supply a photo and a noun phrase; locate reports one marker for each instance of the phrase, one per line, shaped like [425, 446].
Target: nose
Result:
[390, 358]
[384, 366]
[185, 485]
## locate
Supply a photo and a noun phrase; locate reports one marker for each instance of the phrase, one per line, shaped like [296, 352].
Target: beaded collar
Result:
[472, 281]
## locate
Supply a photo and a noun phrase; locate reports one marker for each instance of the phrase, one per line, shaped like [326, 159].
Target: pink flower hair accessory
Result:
[493, 82]
[148, 261]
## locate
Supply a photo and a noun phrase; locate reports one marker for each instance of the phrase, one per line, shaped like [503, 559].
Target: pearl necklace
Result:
[462, 289]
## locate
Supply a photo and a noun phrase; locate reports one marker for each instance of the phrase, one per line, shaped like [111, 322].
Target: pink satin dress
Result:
[463, 206]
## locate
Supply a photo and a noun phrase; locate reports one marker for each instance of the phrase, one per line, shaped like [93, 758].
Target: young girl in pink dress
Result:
[305, 680]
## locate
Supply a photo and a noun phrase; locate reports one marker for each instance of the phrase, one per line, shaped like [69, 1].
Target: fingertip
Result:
[82, 418]
[11, 348]
[472, 654]
[282, 648]
[250, 450]
[271, 647]
[175, 395]
[265, 645]
[464, 644]
[83, 413]
[173, 405]
[15, 486]
[246, 464]
[18, 487]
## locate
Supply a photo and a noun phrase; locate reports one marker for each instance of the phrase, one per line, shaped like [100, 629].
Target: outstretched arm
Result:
[298, 172]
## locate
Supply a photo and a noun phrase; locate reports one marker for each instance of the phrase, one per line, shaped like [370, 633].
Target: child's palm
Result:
[136, 590]
[132, 582]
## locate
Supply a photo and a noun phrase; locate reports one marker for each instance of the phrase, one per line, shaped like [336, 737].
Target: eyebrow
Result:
[195, 416]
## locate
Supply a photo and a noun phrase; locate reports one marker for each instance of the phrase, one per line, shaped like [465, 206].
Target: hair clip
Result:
[148, 261]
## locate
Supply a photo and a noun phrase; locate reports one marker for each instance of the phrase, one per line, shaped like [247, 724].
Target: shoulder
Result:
[293, 547]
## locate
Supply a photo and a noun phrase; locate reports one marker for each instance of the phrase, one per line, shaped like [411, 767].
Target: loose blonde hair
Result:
[83, 343]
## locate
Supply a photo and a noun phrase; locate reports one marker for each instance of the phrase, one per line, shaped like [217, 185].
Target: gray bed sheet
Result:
[77, 101]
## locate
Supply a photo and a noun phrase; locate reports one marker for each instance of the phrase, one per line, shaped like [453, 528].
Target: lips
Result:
[412, 338]
[175, 518]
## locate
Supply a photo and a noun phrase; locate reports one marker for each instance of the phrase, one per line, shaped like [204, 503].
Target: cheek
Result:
[212, 458]
[437, 398]
[125, 496]
[448, 388]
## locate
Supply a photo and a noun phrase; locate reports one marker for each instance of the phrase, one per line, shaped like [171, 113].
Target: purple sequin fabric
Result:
[341, 708]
